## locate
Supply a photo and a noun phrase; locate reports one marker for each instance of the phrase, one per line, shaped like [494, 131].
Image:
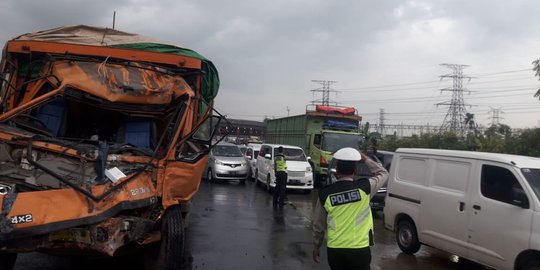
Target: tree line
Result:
[496, 139]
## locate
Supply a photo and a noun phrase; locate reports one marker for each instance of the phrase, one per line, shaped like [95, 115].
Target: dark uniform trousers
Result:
[349, 258]
[281, 187]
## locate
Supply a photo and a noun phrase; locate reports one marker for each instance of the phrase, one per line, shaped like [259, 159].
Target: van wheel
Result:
[407, 237]
[169, 253]
[7, 260]
[532, 265]
[268, 187]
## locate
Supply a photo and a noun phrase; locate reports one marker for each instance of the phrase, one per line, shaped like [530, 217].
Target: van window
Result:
[292, 154]
[264, 150]
[533, 177]
[412, 170]
[499, 184]
[452, 175]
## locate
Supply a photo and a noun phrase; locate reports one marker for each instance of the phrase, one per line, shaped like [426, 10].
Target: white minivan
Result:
[300, 175]
[484, 207]
[251, 156]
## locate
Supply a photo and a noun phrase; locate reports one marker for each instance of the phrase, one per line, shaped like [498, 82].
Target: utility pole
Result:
[381, 122]
[325, 90]
[454, 121]
[495, 116]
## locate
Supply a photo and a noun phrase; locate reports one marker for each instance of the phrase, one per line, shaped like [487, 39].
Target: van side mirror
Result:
[308, 158]
[267, 156]
[520, 199]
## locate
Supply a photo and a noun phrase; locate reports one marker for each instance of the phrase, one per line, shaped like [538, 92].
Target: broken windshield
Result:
[77, 121]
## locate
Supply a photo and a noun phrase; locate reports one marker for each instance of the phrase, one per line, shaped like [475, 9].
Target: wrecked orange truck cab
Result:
[104, 136]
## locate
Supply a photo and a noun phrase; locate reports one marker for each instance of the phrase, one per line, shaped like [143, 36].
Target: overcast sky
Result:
[382, 54]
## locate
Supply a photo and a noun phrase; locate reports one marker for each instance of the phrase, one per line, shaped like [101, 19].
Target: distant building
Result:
[243, 131]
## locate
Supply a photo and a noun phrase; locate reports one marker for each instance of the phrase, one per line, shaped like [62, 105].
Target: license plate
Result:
[294, 181]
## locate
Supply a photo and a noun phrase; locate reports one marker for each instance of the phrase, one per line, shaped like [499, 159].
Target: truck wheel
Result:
[169, 253]
[407, 237]
[7, 260]
[532, 264]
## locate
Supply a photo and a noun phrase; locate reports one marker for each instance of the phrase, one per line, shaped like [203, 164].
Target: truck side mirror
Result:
[267, 156]
[308, 158]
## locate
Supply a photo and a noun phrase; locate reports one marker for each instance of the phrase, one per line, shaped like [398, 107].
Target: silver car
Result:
[226, 162]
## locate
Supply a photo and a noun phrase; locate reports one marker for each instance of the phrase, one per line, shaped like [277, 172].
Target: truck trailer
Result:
[320, 132]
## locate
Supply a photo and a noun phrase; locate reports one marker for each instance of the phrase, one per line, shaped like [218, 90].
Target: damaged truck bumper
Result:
[60, 219]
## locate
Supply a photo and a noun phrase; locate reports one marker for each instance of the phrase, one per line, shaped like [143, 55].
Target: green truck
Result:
[320, 132]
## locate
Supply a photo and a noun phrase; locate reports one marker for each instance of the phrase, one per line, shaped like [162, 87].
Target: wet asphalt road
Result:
[234, 226]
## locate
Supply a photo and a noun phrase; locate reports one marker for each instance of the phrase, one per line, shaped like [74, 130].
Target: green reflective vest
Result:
[281, 165]
[349, 220]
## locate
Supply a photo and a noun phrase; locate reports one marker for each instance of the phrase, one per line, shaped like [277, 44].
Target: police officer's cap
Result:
[347, 154]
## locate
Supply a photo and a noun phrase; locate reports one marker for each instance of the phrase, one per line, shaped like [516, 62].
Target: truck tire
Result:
[169, 253]
[7, 260]
[407, 237]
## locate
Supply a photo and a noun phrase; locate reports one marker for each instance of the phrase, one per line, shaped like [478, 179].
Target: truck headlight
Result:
[308, 169]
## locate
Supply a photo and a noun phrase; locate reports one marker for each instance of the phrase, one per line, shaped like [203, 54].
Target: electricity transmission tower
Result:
[495, 116]
[325, 90]
[454, 121]
[381, 122]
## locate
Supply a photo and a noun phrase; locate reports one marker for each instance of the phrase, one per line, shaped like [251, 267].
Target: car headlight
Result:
[308, 169]
[243, 163]
[218, 162]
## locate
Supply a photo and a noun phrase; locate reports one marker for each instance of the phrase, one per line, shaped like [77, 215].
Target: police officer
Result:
[280, 170]
[343, 210]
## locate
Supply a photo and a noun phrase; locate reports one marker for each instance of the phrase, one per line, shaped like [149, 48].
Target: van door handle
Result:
[476, 207]
[461, 206]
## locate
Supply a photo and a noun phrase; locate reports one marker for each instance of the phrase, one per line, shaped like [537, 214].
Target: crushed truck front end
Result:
[101, 146]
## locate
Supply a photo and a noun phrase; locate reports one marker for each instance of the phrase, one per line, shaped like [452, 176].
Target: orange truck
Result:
[104, 137]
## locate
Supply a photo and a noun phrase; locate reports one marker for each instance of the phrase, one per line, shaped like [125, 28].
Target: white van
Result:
[484, 207]
[251, 156]
[300, 175]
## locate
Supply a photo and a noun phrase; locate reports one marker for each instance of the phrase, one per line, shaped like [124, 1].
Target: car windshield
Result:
[226, 151]
[292, 154]
[332, 142]
[533, 177]
[243, 149]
